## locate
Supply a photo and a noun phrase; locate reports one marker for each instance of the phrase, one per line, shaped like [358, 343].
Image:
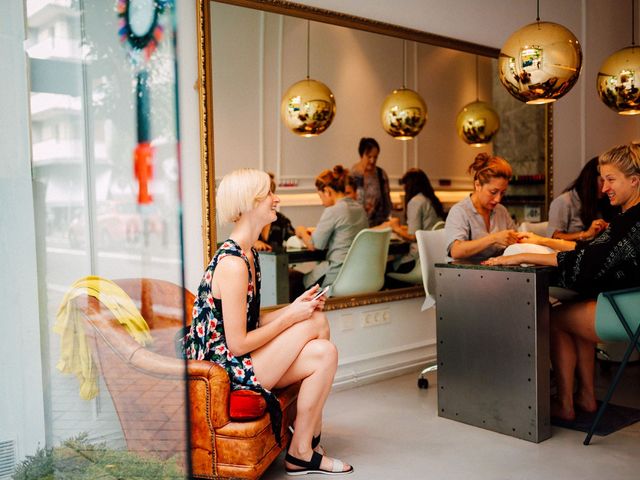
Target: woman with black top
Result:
[610, 262]
[274, 236]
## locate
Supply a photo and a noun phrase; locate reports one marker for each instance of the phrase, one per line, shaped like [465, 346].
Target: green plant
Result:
[78, 459]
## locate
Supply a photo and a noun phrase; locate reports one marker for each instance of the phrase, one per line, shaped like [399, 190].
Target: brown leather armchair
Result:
[150, 386]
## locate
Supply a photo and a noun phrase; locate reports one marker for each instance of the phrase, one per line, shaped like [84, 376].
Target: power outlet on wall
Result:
[374, 318]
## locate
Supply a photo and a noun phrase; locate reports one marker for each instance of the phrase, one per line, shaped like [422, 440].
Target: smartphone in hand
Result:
[321, 293]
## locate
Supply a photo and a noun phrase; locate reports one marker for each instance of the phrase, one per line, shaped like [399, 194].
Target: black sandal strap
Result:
[315, 441]
[313, 464]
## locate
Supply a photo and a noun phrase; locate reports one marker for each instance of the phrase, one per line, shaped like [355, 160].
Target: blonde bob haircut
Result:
[239, 192]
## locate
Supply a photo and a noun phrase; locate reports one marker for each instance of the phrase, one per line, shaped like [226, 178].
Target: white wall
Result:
[257, 55]
[21, 398]
[608, 30]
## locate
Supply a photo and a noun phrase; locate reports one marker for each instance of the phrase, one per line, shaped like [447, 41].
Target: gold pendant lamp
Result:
[308, 106]
[619, 77]
[477, 122]
[540, 62]
[403, 112]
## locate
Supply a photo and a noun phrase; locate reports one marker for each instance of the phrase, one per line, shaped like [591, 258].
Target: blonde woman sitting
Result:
[264, 351]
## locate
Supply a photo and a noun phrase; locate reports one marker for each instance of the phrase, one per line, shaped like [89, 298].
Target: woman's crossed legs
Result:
[304, 353]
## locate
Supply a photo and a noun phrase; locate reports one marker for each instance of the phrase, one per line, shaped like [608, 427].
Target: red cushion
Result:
[246, 405]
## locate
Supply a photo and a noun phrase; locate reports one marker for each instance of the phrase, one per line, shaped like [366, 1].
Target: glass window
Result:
[106, 173]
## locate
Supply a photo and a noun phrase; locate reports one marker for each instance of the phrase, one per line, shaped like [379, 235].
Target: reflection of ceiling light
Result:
[403, 112]
[618, 79]
[477, 122]
[308, 106]
[540, 62]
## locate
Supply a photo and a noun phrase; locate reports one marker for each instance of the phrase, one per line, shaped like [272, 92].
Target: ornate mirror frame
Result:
[205, 89]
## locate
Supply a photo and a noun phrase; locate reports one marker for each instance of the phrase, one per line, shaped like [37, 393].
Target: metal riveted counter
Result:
[493, 347]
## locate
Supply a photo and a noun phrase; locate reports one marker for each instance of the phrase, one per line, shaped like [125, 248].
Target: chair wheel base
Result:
[423, 383]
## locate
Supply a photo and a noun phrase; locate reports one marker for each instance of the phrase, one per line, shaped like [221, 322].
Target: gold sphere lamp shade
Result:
[540, 62]
[477, 123]
[403, 114]
[308, 108]
[618, 81]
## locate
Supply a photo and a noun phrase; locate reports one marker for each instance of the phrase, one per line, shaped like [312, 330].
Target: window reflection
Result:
[89, 224]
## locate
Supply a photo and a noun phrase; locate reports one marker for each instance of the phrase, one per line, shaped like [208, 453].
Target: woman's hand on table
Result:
[530, 237]
[503, 260]
[262, 246]
[303, 233]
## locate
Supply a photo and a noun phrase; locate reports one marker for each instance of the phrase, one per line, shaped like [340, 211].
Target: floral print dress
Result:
[205, 340]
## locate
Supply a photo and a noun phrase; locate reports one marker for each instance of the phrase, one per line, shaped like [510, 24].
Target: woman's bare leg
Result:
[316, 366]
[563, 358]
[273, 360]
[301, 353]
[585, 398]
[573, 340]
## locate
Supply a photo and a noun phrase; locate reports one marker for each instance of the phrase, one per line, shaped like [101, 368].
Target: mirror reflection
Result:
[257, 55]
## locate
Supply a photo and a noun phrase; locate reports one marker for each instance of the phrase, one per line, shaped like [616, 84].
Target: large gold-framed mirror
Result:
[439, 59]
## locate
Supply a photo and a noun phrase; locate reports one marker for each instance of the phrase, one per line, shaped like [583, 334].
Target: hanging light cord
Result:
[477, 97]
[538, 11]
[308, 45]
[633, 22]
[404, 64]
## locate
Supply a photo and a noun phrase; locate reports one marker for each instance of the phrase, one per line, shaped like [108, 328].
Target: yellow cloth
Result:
[75, 352]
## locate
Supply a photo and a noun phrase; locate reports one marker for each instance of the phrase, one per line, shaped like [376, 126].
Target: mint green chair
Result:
[412, 276]
[364, 266]
[439, 225]
[617, 319]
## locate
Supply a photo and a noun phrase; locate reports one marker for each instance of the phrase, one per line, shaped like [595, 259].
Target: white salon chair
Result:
[432, 249]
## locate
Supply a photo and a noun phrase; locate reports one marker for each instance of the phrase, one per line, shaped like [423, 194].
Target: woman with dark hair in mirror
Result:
[423, 210]
[582, 211]
[372, 183]
[274, 235]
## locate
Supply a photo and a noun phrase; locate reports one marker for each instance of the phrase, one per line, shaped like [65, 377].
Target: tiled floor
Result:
[390, 430]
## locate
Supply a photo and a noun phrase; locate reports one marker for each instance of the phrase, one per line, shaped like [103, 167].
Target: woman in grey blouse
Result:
[339, 224]
[479, 227]
[582, 211]
[423, 210]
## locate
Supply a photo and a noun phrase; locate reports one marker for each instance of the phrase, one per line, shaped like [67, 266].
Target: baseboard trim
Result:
[360, 373]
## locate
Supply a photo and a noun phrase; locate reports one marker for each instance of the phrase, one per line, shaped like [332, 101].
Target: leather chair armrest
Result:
[208, 381]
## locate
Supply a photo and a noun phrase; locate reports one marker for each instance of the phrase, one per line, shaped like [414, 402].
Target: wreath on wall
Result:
[138, 25]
